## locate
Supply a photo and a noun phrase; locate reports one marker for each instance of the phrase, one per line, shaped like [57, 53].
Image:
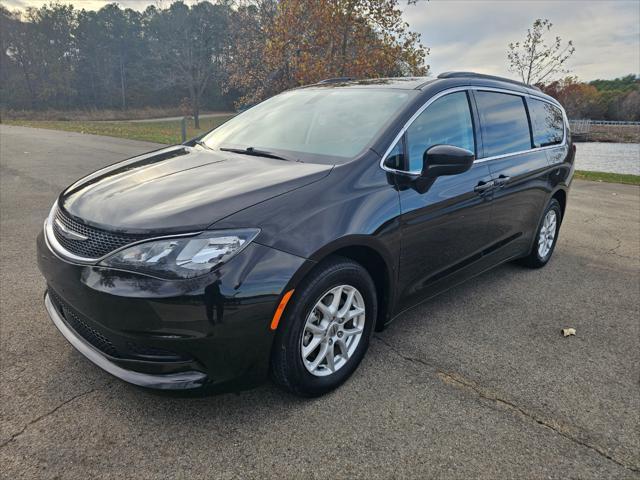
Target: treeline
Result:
[222, 54]
[617, 99]
[213, 54]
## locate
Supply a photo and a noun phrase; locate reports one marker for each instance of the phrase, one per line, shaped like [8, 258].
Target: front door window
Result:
[447, 121]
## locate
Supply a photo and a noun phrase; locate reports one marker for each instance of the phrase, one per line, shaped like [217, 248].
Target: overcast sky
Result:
[473, 34]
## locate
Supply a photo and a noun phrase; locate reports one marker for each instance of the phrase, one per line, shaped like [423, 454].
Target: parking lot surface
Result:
[477, 382]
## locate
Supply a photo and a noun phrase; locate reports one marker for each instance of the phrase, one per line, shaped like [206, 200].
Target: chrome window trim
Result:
[58, 250]
[478, 160]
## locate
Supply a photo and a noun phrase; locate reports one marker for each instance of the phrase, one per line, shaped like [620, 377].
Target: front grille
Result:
[75, 321]
[98, 243]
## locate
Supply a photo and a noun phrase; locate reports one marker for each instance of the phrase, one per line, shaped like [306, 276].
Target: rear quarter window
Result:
[504, 121]
[548, 123]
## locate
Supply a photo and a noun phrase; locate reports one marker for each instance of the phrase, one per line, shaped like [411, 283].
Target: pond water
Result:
[608, 157]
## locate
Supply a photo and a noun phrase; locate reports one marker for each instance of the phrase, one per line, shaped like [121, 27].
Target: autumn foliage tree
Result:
[295, 42]
[213, 52]
[580, 100]
[617, 99]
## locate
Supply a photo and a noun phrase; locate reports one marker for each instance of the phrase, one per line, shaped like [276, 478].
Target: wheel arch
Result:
[373, 256]
[561, 196]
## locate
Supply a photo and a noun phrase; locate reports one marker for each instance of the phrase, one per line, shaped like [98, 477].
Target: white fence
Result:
[602, 122]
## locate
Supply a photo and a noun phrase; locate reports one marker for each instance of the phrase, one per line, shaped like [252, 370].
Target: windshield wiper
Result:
[253, 151]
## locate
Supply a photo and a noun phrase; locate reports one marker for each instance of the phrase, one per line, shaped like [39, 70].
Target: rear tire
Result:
[326, 329]
[546, 237]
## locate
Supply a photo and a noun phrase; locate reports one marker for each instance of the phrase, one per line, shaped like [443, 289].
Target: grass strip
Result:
[608, 177]
[167, 132]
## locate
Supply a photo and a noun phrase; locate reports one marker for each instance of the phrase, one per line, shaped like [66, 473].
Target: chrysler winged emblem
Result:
[69, 234]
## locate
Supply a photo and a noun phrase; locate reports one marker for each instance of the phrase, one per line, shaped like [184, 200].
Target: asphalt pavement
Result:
[476, 383]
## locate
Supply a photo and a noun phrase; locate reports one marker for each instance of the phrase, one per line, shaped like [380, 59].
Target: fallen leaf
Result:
[568, 331]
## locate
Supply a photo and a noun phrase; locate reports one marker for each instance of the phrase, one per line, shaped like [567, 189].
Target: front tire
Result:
[327, 329]
[546, 236]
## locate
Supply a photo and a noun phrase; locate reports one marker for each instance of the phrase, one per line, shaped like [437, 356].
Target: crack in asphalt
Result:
[461, 382]
[614, 250]
[618, 245]
[43, 416]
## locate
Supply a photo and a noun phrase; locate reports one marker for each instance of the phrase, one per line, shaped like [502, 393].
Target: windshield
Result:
[310, 122]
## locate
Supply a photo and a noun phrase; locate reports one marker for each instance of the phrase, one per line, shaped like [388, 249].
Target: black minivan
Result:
[278, 242]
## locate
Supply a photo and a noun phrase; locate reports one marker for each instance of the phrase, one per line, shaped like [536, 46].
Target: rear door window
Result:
[504, 122]
[548, 123]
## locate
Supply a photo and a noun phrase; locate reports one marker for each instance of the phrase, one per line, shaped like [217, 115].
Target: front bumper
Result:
[172, 334]
[170, 381]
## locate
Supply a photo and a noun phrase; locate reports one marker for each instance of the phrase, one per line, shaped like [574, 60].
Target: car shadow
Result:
[221, 406]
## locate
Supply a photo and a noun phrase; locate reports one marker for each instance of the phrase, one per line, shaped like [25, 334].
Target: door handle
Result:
[501, 181]
[484, 186]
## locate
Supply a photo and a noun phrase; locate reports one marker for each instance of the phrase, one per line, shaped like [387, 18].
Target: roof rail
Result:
[337, 80]
[486, 77]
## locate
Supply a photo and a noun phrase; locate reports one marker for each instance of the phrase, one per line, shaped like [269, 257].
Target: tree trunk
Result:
[32, 96]
[94, 92]
[345, 41]
[195, 104]
[122, 84]
[533, 56]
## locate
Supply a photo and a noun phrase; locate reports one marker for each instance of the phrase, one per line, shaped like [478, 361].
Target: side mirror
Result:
[445, 160]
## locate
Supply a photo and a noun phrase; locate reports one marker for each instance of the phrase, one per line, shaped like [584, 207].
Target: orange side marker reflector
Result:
[280, 309]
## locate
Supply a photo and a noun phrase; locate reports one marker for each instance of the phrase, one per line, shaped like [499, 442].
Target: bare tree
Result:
[193, 45]
[535, 60]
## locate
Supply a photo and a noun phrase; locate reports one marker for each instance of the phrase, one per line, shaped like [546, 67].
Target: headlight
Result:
[177, 258]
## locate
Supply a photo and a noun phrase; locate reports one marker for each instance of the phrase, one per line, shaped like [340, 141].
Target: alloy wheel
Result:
[547, 234]
[333, 330]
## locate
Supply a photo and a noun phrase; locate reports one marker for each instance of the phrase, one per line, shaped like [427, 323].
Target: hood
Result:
[180, 189]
